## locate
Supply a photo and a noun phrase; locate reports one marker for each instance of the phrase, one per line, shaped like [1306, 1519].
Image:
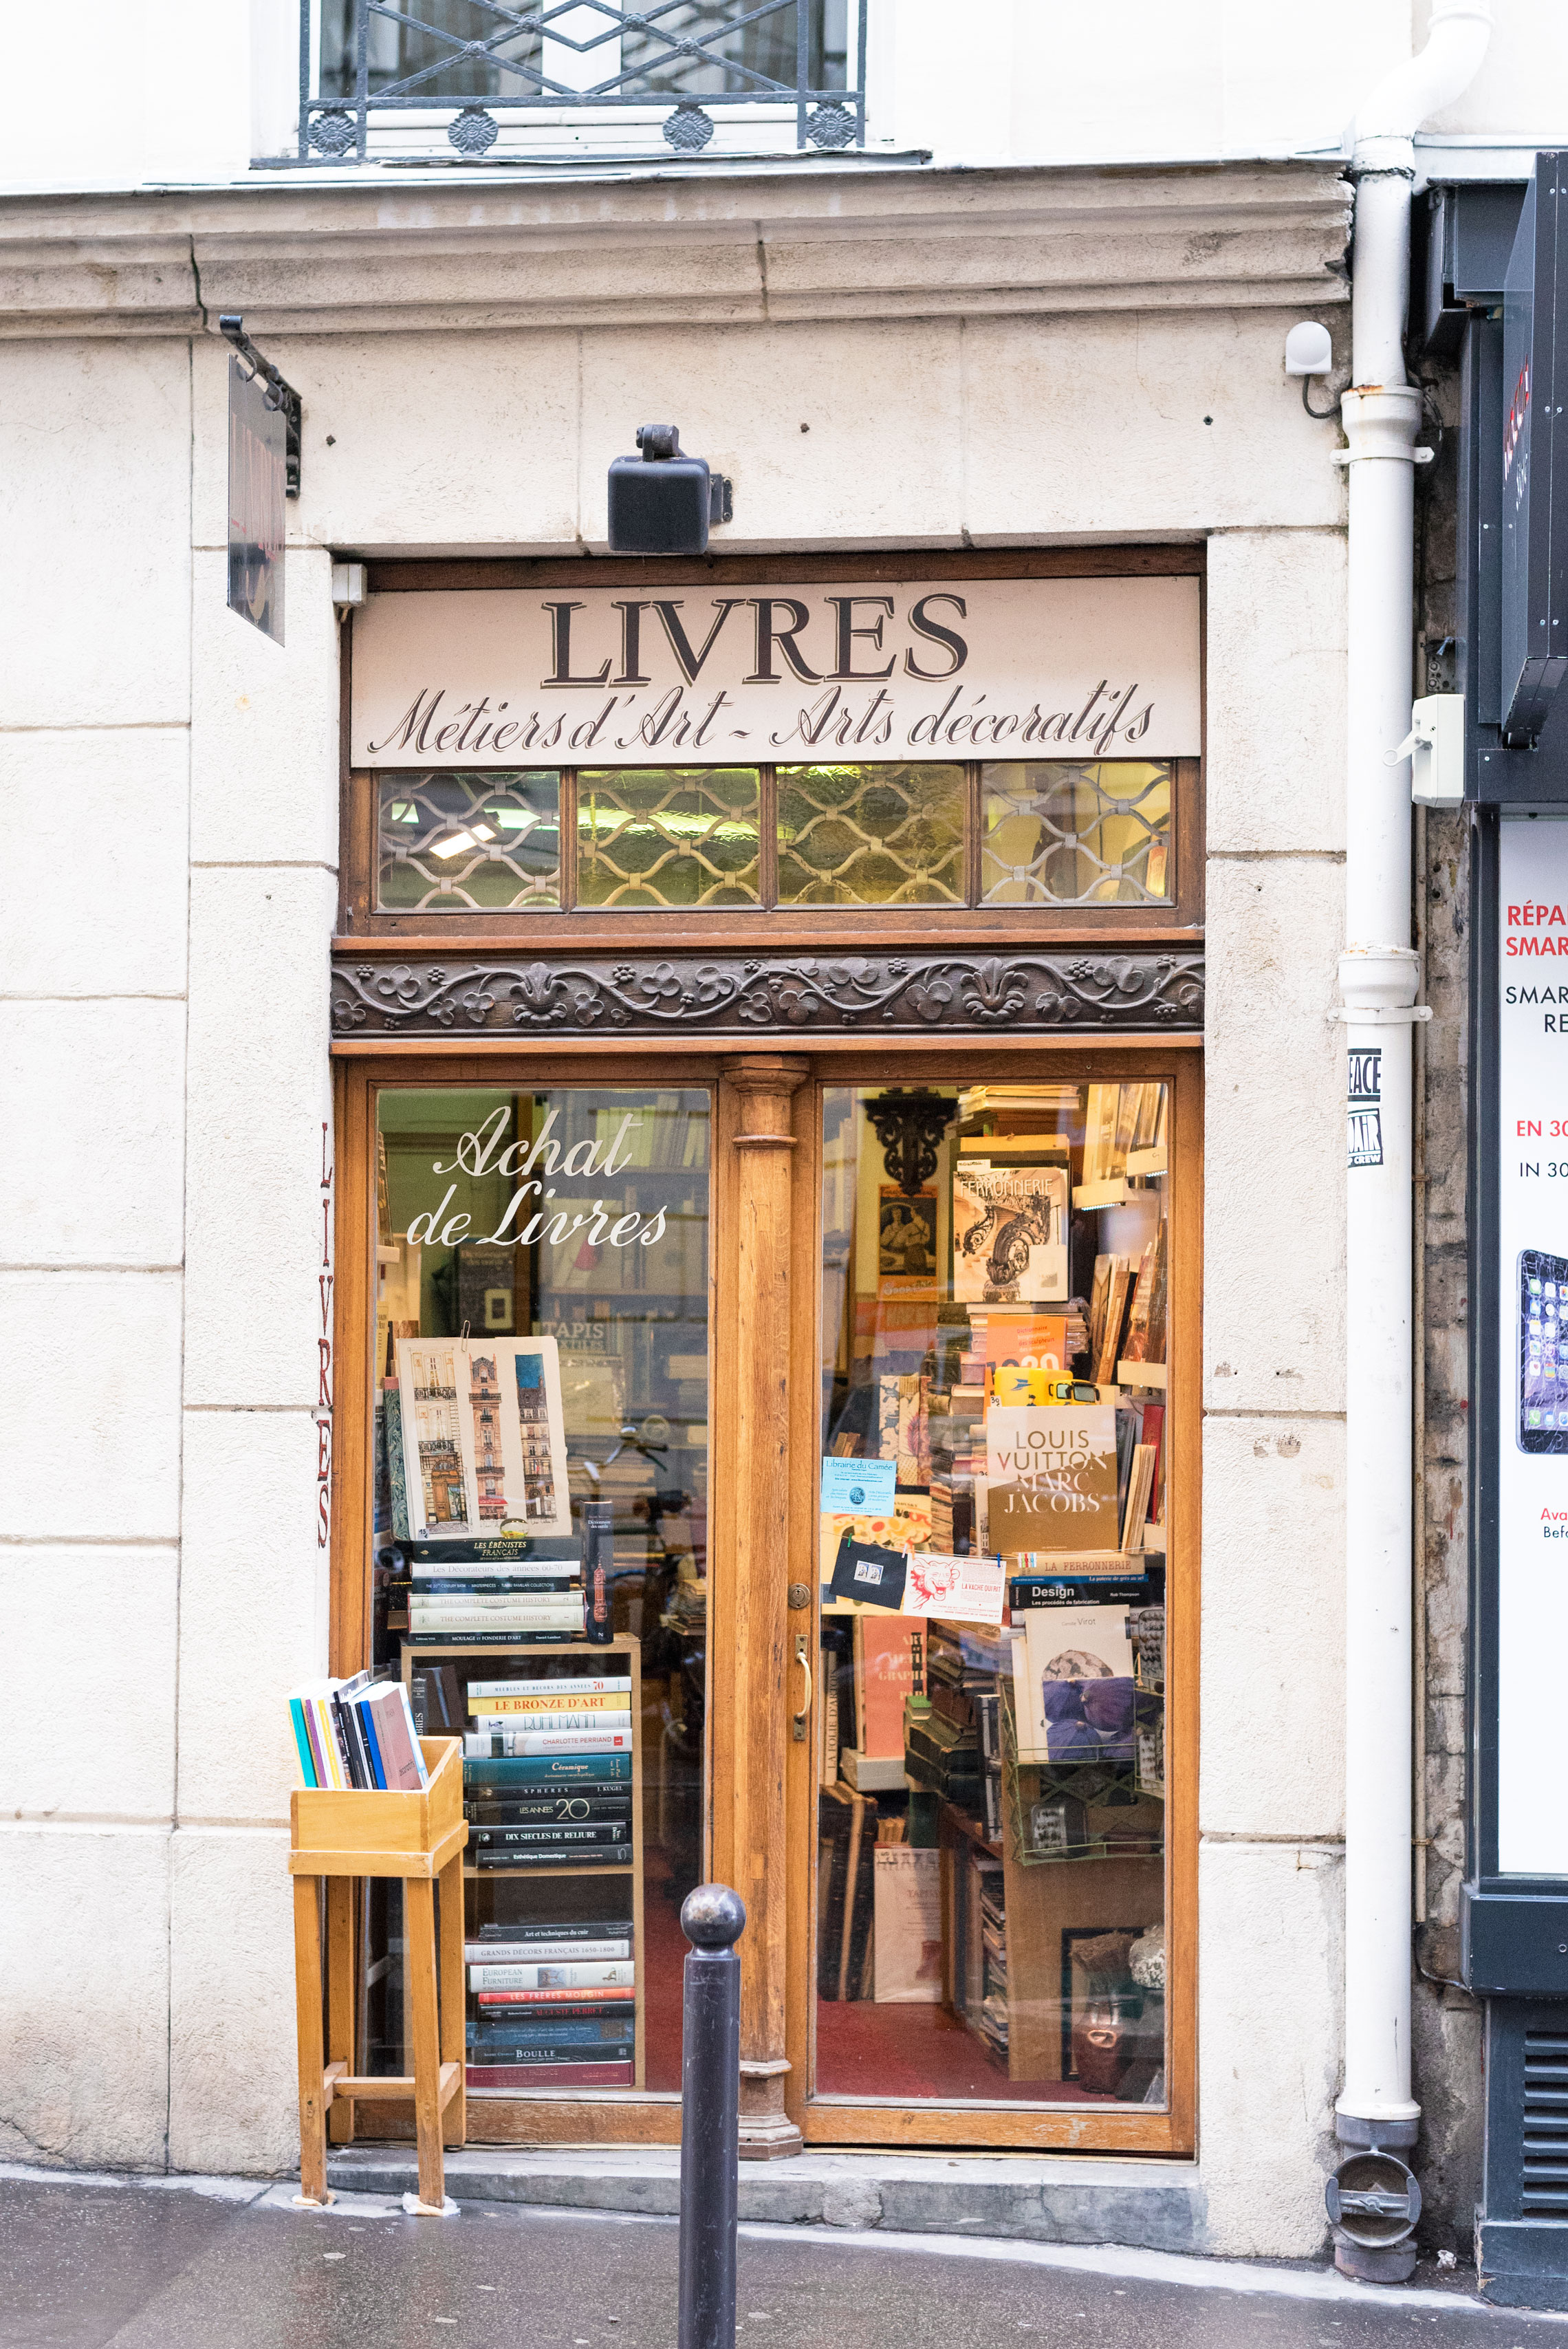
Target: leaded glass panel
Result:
[871, 835]
[1062, 833]
[653, 838]
[456, 843]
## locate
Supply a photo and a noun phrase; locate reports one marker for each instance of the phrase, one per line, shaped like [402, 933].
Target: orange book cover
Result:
[884, 1676]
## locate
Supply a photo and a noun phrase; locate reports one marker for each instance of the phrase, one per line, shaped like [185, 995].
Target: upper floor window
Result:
[1014, 833]
[428, 76]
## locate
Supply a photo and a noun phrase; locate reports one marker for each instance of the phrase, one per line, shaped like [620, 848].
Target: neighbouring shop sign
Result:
[257, 487]
[1532, 1353]
[917, 670]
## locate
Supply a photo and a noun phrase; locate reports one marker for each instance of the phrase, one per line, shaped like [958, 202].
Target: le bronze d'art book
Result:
[1051, 1474]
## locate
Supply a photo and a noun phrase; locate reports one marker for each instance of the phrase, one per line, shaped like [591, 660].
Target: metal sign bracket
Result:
[279, 394]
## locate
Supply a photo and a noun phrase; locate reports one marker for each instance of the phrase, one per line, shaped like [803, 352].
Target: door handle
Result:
[798, 1723]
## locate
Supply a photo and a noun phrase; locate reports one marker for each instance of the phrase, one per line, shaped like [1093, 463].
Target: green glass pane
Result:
[1056, 832]
[881, 835]
[667, 837]
[464, 844]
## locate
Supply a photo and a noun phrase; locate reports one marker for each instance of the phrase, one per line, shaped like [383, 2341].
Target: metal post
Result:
[713, 1918]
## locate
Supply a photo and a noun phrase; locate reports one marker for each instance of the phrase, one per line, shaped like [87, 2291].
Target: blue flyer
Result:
[863, 1488]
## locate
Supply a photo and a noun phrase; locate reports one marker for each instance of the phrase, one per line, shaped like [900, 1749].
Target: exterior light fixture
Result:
[664, 501]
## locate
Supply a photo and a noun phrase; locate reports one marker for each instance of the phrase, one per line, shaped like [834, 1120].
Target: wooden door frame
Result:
[639, 2118]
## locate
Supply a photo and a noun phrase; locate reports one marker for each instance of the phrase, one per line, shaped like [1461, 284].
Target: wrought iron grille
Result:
[385, 82]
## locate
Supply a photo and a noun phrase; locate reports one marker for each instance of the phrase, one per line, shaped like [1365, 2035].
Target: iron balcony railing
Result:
[476, 78]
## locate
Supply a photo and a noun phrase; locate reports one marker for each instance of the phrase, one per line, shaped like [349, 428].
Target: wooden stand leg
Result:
[312, 2060]
[421, 1896]
[455, 2117]
[342, 1982]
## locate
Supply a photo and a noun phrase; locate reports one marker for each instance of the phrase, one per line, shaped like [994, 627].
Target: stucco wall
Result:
[161, 1260]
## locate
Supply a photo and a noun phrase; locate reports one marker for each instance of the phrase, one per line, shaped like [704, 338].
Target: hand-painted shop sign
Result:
[919, 670]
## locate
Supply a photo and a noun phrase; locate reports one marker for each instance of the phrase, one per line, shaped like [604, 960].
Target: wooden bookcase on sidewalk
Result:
[336, 1836]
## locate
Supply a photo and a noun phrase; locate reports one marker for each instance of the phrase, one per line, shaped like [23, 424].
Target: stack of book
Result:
[993, 2017]
[574, 1716]
[534, 1598]
[357, 1736]
[954, 1749]
[542, 1794]
[553, 2007]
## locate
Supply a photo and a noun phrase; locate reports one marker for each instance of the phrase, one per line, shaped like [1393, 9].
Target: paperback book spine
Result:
[591, 1805]
[558, 2002]
[543, 1975]
[555, 1837]
[582, 1685]
[550, 2075]
[574, 1857]
[561, 1695]
[509, 1770]
[522, 1951]
[525, 2033]
[492, 1744]
[535, 1724]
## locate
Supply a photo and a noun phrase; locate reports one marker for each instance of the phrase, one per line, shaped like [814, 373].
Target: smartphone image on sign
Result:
[1543, 1351]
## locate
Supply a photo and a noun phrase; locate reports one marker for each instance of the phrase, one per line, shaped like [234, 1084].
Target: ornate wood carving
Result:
[779, 994]
[910, 1126]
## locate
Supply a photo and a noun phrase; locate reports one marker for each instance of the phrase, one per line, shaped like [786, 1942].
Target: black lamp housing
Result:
[664, 501]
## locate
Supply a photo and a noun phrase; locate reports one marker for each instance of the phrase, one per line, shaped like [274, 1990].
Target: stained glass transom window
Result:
[456, 843]
[652, 837]
[881, 835]
[1056, 832]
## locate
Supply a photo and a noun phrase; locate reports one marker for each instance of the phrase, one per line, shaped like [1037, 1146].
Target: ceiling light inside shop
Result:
[461, 840]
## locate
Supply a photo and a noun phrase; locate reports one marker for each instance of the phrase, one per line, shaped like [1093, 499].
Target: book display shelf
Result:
[552, 1878]
[336, 1836]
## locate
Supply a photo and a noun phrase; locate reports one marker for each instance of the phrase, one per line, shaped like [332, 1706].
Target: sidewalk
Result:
[140, 2263]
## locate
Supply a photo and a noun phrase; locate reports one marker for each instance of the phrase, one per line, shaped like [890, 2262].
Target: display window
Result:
[783, 1469]
[990, 1895]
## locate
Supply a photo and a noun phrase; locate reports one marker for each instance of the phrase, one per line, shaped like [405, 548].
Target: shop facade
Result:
[803, 1001]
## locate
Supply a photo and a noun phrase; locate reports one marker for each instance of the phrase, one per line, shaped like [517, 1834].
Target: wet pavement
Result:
[107, 2264]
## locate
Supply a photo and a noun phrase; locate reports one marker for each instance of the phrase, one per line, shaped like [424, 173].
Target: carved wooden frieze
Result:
[782, 993]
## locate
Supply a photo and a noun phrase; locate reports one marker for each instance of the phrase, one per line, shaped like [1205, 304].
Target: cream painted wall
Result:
[186, 92]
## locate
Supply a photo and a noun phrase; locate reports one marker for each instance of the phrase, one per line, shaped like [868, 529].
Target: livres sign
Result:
[919, 669]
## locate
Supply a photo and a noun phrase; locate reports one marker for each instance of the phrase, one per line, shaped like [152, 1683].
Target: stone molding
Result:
[504, 249]
[684, 996]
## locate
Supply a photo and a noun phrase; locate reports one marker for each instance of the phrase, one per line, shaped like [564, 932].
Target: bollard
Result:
[713, 1918]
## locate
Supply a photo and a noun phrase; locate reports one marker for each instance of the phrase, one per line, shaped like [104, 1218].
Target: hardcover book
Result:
[484, 1442]
[1051, 1479]
[1009, 1232]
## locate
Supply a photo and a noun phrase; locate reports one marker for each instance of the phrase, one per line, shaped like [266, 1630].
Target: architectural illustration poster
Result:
[484, 1443]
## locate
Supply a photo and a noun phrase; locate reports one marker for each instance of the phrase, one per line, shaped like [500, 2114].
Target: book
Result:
[523, 2032]
[1073, 1685]
[584, 1691]
[537, 1724]
[1145, 1338]
[506, 1744]
[393, 1722]
[884, 1676]
[1139, 1490]
[526, 1945]
[560, 1836]
[1118, 1290]
[552, 1973]
[495, 1562]
[1123, 1588]
[550, 2075]
[561, 1613]
[580, 1809]
[483, 1436]
[907, 1906]
[846, 1843]
[492, 1857]
[510, 1770]
[560, 2002]
[1051, 1478]
[1009, 1232]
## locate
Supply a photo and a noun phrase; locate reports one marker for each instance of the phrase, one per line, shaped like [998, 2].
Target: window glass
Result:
[876, 835]
[653, 837]
[453, 844]
[1053, 832]
[437, 41]
[990, 1891]
[542, 1382]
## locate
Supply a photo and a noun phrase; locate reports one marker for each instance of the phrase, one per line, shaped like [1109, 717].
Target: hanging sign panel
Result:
[257, 487]
[1533, 1351]
[918, 670]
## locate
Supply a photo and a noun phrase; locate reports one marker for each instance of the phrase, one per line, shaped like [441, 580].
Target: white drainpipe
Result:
[1378, 979]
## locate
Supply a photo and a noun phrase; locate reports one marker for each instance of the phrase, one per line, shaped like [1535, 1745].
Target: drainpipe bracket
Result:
[1380, 1015]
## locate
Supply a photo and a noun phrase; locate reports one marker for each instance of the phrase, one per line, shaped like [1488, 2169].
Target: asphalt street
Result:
[106, 2264]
